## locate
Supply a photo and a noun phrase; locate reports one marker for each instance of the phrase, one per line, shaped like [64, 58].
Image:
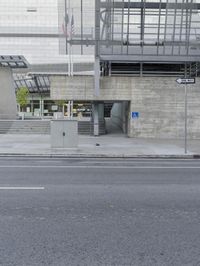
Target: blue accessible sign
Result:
[135, 115]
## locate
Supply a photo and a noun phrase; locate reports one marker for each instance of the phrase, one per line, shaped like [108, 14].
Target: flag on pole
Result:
[72, 26]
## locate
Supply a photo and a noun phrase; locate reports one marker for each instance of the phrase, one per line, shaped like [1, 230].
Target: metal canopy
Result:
[34, 83]
[13, 61]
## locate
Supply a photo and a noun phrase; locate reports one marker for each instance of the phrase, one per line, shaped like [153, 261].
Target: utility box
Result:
[64, 134]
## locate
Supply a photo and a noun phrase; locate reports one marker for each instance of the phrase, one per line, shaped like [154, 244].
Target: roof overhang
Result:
[13, 61]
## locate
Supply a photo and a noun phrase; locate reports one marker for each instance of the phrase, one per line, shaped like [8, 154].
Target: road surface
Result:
[108, 212]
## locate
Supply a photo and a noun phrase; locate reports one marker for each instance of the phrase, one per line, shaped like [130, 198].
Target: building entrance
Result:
[116, 117]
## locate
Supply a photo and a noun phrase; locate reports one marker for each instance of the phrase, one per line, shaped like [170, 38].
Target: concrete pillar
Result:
[97, 76]
[68, 109]
[63, 110]
[71, 109]
[41, 107]
[8, 104]
[101, 111]
[125, 112]
[98, 115]
[32, 107]
[96, 118]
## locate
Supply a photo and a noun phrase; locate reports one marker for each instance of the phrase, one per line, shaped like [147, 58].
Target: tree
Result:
[60, 104]
[22, 97]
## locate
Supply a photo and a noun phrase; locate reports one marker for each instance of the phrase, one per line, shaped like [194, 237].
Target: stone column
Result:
[41, 107]
[98, 115]
[8, 104]
[101, 111]
[96, 118]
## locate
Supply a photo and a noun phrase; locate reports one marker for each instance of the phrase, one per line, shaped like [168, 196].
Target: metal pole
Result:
[185, 109]
[71, 14]
[97, 39]
[185, 118]
[66, 26]
[69, 44]
[81, 26]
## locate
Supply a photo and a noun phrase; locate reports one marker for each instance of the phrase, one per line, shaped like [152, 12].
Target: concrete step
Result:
[24, 127]
[44, 127]
[87, 128]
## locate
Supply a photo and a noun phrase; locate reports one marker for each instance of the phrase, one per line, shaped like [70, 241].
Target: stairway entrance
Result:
[116, 117]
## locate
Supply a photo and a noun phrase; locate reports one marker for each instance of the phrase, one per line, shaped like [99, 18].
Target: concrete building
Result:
[125, 53]
[32, 28]
[140, 51]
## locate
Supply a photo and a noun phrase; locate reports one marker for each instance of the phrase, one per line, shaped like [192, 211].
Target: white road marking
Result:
[22, 188]
[100, 159]
[98, 167]
[139, 162]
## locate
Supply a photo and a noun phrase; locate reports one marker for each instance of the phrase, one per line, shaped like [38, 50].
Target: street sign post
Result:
[185, 81]
[186, 117]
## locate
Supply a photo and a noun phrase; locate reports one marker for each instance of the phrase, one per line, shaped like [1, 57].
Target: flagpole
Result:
[69, 45]
[69, 59]
[65, 27]
[81, 26]
[72, 62]
[71, 50]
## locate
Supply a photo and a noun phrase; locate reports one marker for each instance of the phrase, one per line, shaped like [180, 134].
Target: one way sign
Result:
[185, 80]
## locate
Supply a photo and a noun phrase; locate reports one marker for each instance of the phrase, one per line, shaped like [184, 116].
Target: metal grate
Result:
[125, 30]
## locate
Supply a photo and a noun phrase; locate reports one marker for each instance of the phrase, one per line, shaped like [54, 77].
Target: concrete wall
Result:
[8, 105]
[159, 101]
[82, 88]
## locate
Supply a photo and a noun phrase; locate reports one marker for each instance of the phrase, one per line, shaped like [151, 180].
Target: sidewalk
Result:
[116, 145]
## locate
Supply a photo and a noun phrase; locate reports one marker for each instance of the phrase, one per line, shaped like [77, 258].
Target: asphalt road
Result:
[99, 212]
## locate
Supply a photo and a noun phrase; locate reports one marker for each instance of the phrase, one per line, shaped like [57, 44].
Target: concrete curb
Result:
[139, 156]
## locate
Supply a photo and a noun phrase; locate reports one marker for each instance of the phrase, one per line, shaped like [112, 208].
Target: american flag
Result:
[72, 26]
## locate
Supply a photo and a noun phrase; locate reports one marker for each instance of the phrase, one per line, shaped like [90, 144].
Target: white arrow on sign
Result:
[185, 80]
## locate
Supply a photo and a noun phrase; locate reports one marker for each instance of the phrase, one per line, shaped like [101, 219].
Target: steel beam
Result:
[151, 5]
[150, 58]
